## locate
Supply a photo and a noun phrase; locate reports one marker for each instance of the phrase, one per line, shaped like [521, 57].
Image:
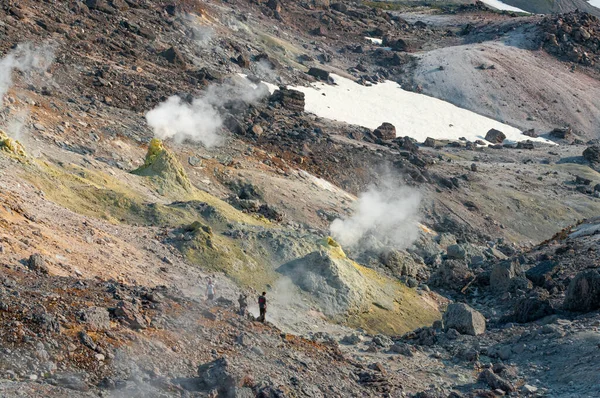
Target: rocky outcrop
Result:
[592, 154]
[531, 309]
[583, 294]
[37, 263]
[464, 319]
[217, 375]
[453, 275]
[292, 100]
[385, 132]
[574, 37]
[561, 133]
[174, 56]
[95, 318]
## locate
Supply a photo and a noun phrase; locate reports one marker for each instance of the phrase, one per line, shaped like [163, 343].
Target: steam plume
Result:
[26, 58]
[200, 120]
[385, 216]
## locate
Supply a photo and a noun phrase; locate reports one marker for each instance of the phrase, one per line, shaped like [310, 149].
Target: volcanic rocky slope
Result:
[107, 233]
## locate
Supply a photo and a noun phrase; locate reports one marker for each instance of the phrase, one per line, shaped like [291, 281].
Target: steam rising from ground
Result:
[16, 125]
[200, 120]
[385, 216]
[26, 58]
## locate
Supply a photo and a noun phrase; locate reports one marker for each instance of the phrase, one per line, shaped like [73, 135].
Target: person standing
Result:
[262, 305]
[210, 290]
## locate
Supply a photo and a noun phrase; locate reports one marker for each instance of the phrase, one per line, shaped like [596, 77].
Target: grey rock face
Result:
[464, 319]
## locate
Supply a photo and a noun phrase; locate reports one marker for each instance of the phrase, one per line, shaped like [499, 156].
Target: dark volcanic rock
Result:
[217, 375]
[340, 7]
[495, 136]
[100, 5]
[174, 56]
[243, 61]
[592, 154]
[525, 145]
[531, 309]
[319, 73]
[542, 273]
[386, 132]
[289, 99]
[583, 294]
[561, 133]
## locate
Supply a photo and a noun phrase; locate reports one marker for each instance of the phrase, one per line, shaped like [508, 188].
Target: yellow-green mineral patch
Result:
[11, 146]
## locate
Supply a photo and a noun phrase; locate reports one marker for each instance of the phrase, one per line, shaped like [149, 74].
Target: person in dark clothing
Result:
[262, 305]
[243, 304]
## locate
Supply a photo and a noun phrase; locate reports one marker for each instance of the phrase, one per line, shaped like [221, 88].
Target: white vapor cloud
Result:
[26, 58]
[198, 121]
[385, 216]
[201, 120]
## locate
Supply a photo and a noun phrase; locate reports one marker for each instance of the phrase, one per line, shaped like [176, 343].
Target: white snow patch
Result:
[325, 185]
[595, 3]
[375, 40]
[502, 6]
[414, 115]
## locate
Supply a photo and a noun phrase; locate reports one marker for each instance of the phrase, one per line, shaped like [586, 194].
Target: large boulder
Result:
[456, 252]
[583, 294]
[531, 309]
[318, 73]
[339, 7]
[452, 274]
[398, 44]
[385, 132]
[503, 274]
[592, 154]
[401, 263]
[216, 374]
[464, 319]
[37, 263]
[495, 136]
[100, 5]
[173, 56]
[542, 274]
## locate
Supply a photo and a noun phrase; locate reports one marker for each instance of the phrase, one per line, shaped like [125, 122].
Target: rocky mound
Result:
[165, 170]
[574, 37]
[344, 290]
[330, 277]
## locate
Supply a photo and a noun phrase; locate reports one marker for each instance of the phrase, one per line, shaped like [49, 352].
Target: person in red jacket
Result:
[262, 305]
